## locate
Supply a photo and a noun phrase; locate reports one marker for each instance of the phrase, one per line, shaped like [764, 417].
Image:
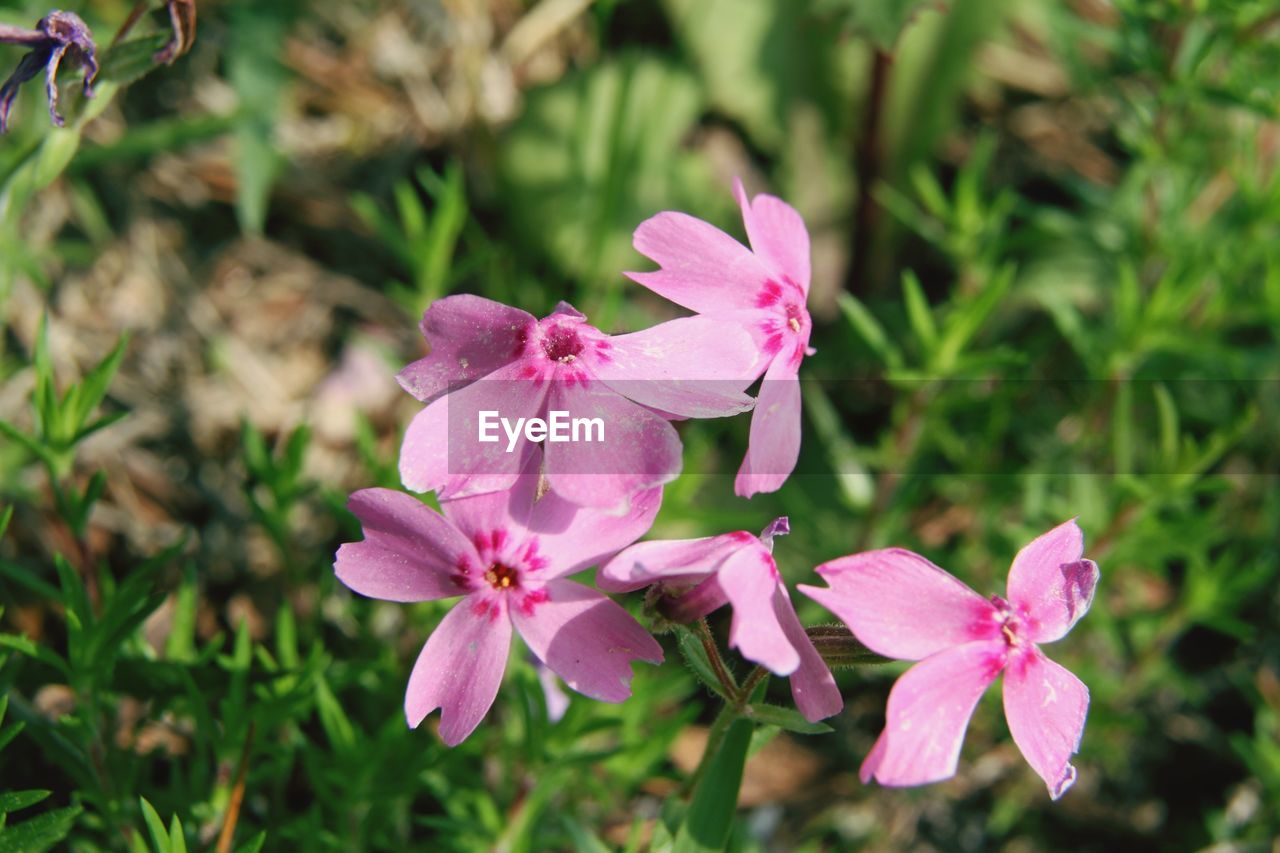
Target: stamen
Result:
[501, 576]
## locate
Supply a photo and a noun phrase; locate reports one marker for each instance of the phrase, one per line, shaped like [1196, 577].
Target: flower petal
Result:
[692, 367]
[409, 553]
[442, 450]
[470, 337]
[929, 710]
[574, 538]
[640, 449]
[777, 235]
[1045, 706]
[812, 685]
[669, 559]
[702, 268]
[586, 639]
[508, 509]
[749, 578]
[1050, 582]
[774, 443]
[460, 668]
[901, 605]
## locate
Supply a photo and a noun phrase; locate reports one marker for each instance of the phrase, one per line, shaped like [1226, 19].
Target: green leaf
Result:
[709, 821]
[39, 833]
[881, 21]
[12, 801]
[785, 718]
[180, 645]
[696, 656]
[31, 649]
[919, 313]
[177, 840]
[762, 63]
[93, 388]
[155, 826]
[5, 517]
[595, 154]
[867, 327]
[857, 487]
[333, 719]
[259, 79]
[254, 845]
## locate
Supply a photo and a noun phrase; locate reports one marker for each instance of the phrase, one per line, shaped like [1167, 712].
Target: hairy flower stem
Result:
[717, 662]
[749, 686]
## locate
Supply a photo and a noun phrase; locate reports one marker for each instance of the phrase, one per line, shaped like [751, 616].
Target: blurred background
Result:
[1046, 251]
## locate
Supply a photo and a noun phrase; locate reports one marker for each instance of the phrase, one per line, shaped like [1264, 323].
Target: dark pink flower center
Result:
[795, 317]
[562, 344]
[507, 568]
[500, 576]
[1012, 626]
[785, 324]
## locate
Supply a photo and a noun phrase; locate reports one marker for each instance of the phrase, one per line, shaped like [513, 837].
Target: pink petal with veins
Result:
[586, 639]
[929, 710]
[460, 668]
[1045, 706]
[900, 605]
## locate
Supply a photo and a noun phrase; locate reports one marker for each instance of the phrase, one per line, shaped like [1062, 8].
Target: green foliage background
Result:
[1047, 284]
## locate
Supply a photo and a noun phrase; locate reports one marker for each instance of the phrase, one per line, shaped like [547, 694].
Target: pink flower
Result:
[507, 554]
[737, 569]
[764, 289]
[486, 356]
[900, 605]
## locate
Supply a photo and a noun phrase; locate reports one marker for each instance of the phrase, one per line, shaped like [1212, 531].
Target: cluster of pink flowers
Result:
[518, 517]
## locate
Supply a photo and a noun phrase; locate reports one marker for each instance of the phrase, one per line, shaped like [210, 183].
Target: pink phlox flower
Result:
[507, 555]
[900, 605]
[765, 290]
[737, 569]
[486, 356]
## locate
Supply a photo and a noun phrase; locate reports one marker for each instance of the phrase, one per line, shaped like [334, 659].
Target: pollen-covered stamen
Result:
[500, 576]
[562, 344]
[794, 313]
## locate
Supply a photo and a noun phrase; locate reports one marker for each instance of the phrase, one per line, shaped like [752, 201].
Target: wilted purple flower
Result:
[59, 39]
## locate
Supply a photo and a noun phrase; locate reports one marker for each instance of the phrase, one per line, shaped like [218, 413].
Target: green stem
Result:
[715, 737]
[749, 686]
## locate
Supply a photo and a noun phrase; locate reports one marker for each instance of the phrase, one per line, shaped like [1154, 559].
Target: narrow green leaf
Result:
[8, 733]
[1168, 419]
[40, 832]
[4, 519]
[254, 845]
[287, 637]
[709, 821]
[857, 487]
[868, 328]
[181, 642]
[31, 445]
[155, 826]
[785, 718]
[95, 384]
[32, 649]
[919, 314]
[337, 727]
[177, 840]
[696, 656]
[12, 801]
